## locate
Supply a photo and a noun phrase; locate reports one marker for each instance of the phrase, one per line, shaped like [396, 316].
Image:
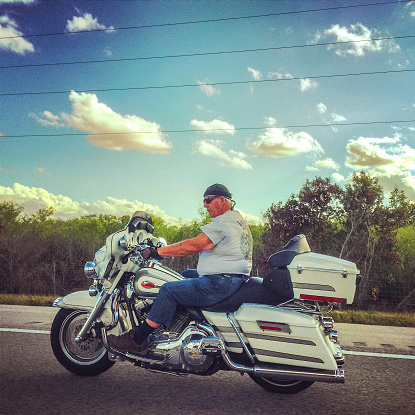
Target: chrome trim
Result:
[336, 376]
[123, 243]
[338, 356]
[329, 376]
[301, 268]
[211, 344]
[244, 346]
[58, 302]
[89, 269]
[317, 287]
[207, 329]
[93, 291]
[99, 305]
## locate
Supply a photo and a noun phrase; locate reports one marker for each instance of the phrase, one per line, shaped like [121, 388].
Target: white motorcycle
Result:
[274, 329]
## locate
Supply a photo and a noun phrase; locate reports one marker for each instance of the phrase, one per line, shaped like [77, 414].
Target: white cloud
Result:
[207, 89]
[33, 199]
[48, 119]
[8, 40]
[113, 131]
[281, 74]
[410, 5]
[41, 170]
[213, 127]
[307, 84]
[321, 108]
[366, 152]
[257, 75]
[327, 163]
[251, 219]
[213, 148]
[337, 177]
[85, 23]
[386, 158]
[280, 142]
[403, 180]
[361, 39]
[338, 118]
[270, 121]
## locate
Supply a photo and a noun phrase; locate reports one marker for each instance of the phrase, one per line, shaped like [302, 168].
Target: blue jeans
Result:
[203, 291]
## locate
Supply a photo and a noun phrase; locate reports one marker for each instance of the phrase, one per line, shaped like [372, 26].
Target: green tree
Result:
[313, 212]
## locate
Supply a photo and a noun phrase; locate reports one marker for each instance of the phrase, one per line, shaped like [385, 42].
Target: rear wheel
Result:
[281, 386]
[88, 357]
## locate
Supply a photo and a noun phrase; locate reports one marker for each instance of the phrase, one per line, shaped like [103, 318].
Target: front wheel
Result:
[88, 357]
[281, 386]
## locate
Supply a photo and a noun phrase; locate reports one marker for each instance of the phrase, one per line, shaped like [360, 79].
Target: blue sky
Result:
[303, 94]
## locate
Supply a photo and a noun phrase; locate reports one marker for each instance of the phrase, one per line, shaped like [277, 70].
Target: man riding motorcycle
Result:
[225, 261]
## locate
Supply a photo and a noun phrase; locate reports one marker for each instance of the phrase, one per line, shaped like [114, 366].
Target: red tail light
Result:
[323, 298]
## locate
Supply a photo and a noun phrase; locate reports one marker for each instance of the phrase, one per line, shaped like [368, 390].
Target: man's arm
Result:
[187, 247]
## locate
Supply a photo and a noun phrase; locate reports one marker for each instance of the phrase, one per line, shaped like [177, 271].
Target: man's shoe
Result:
[125, 343]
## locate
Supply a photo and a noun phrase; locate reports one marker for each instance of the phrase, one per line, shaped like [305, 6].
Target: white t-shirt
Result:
[232, 253]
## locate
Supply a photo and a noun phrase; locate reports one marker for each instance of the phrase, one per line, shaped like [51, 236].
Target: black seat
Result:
[251, 292]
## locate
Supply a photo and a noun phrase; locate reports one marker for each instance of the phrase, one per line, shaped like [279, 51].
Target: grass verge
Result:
[372, 317]
[22, 299]
[345, 316]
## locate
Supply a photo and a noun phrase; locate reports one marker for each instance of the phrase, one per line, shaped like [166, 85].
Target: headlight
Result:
[89, 269]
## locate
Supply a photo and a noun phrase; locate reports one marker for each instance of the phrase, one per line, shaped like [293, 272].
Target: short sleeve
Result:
[214, 231]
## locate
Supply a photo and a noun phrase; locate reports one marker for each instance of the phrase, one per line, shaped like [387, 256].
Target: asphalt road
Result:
[33, 382]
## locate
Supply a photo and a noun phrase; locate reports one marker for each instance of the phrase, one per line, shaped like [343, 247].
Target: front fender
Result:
[79, 300]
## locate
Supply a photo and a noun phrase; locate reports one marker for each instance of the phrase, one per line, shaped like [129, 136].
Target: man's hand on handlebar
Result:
[151, 252]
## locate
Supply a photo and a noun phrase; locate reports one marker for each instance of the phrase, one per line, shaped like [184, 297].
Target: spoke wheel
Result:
[88, 357]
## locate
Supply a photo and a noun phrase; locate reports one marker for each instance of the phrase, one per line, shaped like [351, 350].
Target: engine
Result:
[181, 351]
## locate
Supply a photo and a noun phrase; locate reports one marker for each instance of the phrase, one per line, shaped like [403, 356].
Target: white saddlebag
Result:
[286, 337]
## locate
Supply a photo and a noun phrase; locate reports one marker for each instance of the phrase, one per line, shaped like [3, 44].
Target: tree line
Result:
[40, 254]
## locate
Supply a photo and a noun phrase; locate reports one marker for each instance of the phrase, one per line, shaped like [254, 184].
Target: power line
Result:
[207, 84]
[211, 130]
[211, 20]
[206, 53]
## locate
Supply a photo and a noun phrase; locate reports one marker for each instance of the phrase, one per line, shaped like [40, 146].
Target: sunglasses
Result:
[208, 200]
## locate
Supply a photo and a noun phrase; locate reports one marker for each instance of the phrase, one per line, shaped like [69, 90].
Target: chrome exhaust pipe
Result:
[328, 376]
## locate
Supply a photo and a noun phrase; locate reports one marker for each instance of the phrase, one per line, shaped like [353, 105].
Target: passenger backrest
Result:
[296, 245]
